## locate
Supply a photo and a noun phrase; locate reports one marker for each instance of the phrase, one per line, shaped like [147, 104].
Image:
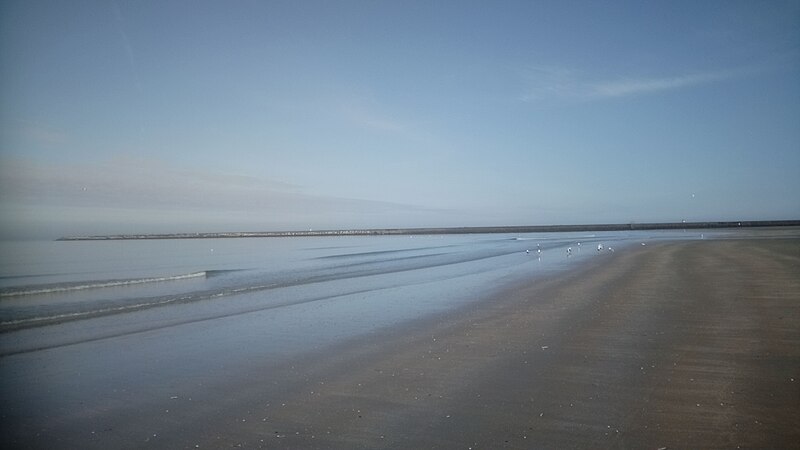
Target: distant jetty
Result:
[455, 230]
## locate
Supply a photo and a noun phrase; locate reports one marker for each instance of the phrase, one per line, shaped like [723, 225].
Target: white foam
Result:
[49, 289]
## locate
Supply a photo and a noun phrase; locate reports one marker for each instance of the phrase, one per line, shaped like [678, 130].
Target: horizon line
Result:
[445, 230]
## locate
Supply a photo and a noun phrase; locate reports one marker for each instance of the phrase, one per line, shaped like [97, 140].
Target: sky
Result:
[199, 116]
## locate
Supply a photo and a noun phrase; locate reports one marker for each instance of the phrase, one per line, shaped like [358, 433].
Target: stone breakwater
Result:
[446, 230]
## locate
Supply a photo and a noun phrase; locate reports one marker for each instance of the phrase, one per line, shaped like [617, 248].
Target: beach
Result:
[692, 344]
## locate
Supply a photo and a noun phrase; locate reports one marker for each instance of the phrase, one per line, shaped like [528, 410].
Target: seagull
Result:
[599, 247]
[569, 251]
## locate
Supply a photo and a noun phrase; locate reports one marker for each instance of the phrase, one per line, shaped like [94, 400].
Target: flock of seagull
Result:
[600, 248]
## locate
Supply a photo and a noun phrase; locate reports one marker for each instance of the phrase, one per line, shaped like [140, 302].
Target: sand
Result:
[673, 345]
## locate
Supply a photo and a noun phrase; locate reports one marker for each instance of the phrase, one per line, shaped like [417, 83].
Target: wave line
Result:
[82, 285]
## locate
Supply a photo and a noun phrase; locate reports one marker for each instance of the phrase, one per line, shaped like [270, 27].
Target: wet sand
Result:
[673, 345]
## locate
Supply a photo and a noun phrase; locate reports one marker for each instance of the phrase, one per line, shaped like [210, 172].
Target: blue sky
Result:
[139, 116]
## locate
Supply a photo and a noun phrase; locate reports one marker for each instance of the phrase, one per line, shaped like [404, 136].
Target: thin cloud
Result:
[149, 186]
[550, 82]
[369, 119]
[646, 86]
[365, 116]
[126, 44]
[555, 83]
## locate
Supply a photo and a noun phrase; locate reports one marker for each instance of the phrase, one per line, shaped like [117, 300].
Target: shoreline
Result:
[446, 230]
[683, 344]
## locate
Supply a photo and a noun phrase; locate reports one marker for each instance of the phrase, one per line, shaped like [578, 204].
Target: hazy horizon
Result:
[150, 117]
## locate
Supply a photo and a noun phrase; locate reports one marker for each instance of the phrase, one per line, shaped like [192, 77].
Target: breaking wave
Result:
[94, 284]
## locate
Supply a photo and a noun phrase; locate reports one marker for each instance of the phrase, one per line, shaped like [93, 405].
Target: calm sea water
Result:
[130, 286]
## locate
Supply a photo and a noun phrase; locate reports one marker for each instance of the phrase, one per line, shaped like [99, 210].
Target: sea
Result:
[311, 290]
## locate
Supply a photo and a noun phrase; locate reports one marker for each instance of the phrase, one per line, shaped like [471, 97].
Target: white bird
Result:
[527, 251]
[569, 251]
[599, 247]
